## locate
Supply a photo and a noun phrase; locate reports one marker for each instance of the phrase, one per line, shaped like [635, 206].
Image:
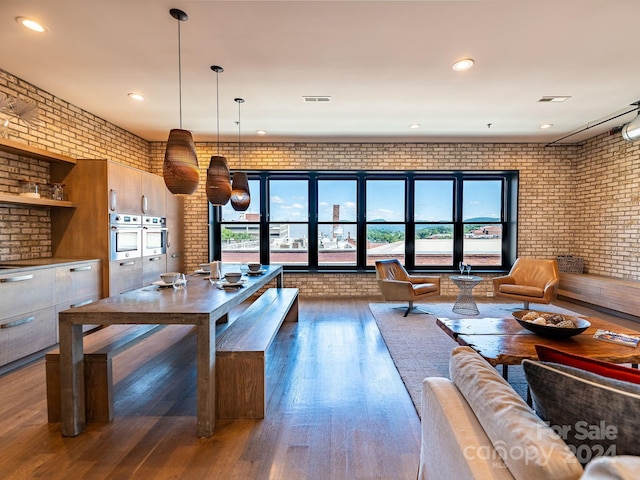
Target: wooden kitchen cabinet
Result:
[152, 267]
[125, 275]
[27, 333]
[175, 232]
[77, 285]
[31, 296]
[100, 187]
[154, 202]
[125, 188]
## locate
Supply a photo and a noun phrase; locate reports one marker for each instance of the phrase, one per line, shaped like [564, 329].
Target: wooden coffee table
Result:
[502, 341]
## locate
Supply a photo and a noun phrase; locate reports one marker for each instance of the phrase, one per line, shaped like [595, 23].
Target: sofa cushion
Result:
[595, 415]
[622, 467]
[529, 448]
[526, 290]
[606, 369]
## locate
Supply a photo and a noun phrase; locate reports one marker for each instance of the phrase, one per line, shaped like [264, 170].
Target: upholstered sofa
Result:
[475, 426]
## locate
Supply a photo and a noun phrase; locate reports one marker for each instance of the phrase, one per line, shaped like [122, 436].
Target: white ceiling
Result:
[385, 64]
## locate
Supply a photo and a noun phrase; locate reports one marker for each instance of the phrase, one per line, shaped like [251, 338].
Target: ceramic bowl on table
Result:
[170, 277]
[233, 277]
[205, 267]
[552, 331]
[254, 267]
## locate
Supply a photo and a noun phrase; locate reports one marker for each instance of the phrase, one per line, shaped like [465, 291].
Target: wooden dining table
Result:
[200, 303]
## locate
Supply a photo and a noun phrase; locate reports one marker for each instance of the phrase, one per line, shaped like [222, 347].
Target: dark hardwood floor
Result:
[337, 409]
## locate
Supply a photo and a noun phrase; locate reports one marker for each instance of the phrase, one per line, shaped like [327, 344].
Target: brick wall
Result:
[606, 224]
[547, 201]
[581, 200]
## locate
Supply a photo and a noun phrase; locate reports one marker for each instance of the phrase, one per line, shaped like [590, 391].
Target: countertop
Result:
[11, 266]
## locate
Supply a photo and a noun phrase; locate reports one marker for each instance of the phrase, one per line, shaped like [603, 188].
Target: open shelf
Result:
[18, 148]
[36, 202]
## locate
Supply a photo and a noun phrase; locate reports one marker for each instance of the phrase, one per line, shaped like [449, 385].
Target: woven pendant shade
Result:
[180, 168]
[218, 181]
[240, 198]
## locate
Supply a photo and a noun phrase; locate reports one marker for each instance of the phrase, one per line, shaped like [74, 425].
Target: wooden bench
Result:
[240, 353]
[99, 349]
[609, 293]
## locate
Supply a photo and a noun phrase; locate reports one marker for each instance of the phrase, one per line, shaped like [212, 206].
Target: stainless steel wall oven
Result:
[154, 235]
[125, 236]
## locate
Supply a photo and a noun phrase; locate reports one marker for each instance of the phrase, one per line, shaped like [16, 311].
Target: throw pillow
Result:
[530, 449]
[594, 415]
[606, 369]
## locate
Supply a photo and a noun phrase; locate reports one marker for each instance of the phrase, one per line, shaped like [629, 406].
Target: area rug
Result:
[419, 348]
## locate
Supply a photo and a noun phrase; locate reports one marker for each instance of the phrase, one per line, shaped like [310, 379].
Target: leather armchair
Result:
[397, 285]
[530, 280]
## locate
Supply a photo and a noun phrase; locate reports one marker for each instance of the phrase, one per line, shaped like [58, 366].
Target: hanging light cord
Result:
[218, 110]
[180, 73]
[239, 157]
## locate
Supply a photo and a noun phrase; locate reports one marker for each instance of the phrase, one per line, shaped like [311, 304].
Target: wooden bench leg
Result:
[292, 314]
[52, 370]
[98, 381]
[98, 376]
[240, 385]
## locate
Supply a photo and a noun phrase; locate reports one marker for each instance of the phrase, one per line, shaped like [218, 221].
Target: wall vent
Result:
[316, 99]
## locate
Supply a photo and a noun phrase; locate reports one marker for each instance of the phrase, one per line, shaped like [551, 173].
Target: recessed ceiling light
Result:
[462, 65]
[261, 132]
[31, 24]
[546, 125]
[415, 125]
[136, 96]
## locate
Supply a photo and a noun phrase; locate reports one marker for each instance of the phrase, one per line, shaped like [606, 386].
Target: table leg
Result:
[505, 372]
[206, 377]
[280, 280]
[72, 408]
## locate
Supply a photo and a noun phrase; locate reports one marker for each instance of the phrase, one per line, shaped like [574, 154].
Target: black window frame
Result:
[508, 220]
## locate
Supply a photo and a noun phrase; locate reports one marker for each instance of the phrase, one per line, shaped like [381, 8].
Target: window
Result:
[240, 231]
[337, 222]
[344, 221]
[386, 227]
[288, 208]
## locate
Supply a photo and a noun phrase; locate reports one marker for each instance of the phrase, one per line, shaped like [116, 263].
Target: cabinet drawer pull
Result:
[124, 264]
[155, 259]
[15, 323]
[175, 255]
[19, 278]
[144, 204]
[113, 200]
[81, 269]
[81, 304]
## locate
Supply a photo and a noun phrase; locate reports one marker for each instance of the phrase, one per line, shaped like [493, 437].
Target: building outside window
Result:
[317, 220]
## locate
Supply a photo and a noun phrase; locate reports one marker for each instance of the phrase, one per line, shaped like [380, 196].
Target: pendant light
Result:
[240, 197]
[218, 178]
[180, 167]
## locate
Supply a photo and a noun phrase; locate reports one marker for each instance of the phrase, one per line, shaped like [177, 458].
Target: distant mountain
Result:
[482, 220]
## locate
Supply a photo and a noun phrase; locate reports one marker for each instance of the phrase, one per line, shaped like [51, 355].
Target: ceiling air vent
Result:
[554, 98]
[317, 99]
